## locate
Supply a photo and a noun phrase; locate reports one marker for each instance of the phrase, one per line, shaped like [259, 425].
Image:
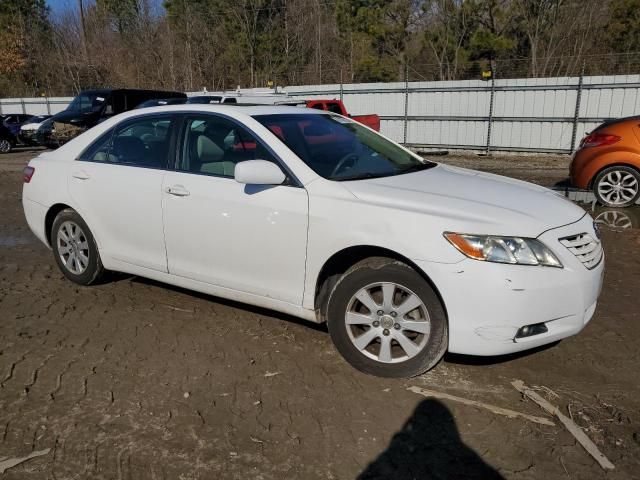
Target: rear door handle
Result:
[81, 175]
[178, 191]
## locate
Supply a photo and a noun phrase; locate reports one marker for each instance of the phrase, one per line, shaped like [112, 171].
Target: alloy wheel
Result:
[387, 322]
[618, 187]
[5, 146]
[73, 247]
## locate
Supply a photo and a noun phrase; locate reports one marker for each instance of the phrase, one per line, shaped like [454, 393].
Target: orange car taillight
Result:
[599, 140]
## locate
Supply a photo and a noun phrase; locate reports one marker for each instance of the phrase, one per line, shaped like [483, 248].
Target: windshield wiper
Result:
[416, 168]
[362, 176]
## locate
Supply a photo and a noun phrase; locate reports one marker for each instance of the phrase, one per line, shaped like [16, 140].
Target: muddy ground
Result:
[132, 379]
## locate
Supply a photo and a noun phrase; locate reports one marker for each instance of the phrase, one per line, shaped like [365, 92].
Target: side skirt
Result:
[209, 289]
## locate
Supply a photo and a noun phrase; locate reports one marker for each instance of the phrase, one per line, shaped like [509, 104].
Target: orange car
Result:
[608, 161]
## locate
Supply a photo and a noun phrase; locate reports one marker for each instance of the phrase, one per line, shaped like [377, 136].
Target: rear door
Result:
[117, 183]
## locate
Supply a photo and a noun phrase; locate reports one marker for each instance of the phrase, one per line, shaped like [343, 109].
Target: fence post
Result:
[576, 113]
[406, 101]
[493, 91]
[48, 106]
[24, 108]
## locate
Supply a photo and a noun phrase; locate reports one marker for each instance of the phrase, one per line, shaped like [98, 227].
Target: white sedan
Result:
[311, 214]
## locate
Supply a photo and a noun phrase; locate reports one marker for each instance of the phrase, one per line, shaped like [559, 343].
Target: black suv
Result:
[91, 107]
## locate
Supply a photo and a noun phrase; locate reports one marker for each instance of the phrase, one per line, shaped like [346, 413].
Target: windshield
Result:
[37, 119]
[87, 102]
[340, 149]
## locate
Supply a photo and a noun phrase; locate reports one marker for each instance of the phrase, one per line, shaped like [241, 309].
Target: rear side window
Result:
[144, 142]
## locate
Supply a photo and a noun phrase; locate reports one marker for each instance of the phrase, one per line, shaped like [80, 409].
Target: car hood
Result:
[468, 201]
[31, 126]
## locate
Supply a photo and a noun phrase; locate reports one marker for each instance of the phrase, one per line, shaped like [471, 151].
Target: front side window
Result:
[144, 142]
[340, 149]
[214, 146]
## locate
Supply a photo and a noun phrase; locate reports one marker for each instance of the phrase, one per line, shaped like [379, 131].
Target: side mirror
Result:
[258, 172]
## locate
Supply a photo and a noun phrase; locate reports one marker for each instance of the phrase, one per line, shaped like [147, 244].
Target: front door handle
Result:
[177, 190]
[81, 175]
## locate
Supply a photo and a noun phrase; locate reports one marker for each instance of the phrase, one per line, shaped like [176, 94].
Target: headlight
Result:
[514, 250]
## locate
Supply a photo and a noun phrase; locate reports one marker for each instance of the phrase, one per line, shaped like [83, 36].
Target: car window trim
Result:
[293, 181]
[111, 132]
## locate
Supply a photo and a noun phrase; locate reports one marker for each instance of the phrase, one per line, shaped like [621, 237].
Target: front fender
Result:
[338, 223]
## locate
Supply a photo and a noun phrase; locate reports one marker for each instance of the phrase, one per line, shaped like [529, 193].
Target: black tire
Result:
[612, 200]
[5, 145]
[93, 270]
[385, 270]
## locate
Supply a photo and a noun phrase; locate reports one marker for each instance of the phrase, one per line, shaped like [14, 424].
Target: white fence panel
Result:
[35, 105]
[530, 114]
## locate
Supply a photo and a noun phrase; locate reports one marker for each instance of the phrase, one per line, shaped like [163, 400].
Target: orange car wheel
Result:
[617, 186]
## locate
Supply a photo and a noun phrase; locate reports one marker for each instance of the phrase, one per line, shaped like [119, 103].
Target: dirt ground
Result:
[133, 379]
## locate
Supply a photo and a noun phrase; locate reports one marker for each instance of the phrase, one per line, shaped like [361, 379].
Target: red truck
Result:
[336, 106]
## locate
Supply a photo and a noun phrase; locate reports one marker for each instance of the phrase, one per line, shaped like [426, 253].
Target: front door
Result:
[246, 238]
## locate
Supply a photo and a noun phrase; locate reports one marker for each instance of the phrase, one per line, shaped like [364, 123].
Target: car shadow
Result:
[429, 447]
[454, 358]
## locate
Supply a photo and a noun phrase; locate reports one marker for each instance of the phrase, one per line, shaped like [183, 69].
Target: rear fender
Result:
[618, 157]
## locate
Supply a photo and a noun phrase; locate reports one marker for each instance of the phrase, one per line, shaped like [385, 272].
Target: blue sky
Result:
[59, 6]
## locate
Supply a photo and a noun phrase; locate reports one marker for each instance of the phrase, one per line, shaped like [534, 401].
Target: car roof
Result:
[250, 110]
[106, 91]
[614, 121]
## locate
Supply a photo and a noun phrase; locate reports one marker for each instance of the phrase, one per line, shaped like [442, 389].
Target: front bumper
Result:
[27, 137]
[487, 303]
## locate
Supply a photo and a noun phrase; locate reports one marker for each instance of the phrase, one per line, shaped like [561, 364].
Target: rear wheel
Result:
[617, 186]
[75, 249]
[386, 320]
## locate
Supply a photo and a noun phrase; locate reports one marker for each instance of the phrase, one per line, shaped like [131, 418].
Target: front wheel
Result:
[617, 186]
[74, 248]
[5, 145]
[386, 320]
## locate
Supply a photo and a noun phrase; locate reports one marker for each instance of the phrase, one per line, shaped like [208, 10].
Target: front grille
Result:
[586, 249]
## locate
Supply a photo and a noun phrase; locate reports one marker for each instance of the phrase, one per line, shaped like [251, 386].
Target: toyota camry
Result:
[312, 214]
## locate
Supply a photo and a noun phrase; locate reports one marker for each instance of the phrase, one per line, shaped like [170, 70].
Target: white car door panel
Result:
[123, 206]
[116, 186]
[251, 239]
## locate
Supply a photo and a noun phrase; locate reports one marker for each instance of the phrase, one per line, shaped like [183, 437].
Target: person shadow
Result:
[429, 447]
